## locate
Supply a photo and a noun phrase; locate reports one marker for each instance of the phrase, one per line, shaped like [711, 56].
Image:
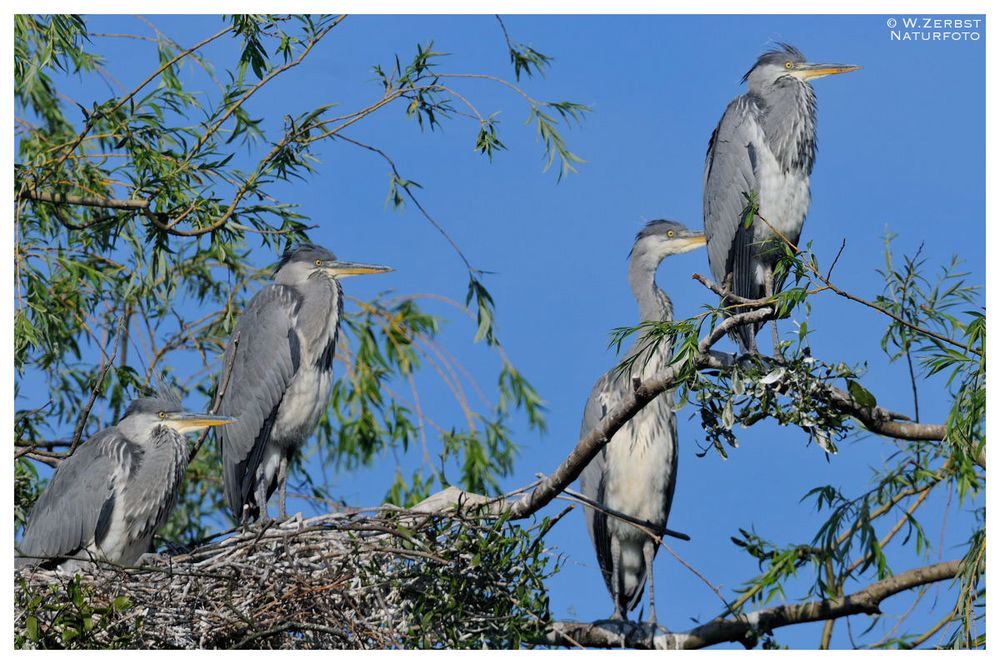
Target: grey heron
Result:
[635, 473]
[108, 499]
[764, 143]
[281, 376]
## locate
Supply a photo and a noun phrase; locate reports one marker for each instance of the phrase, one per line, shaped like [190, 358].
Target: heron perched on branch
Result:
[636, 471]
[764, 146]
[108, 498]
[281, 377]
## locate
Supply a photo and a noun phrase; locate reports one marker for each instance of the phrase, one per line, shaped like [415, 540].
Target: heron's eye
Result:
[670, 233]
[789, 65]
[162, 414]
[318, 262]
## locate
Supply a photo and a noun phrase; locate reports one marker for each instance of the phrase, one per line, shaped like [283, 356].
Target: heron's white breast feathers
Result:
[640, 468]
[784, 200]
[308, 395]
[144, 495]
[302, 405]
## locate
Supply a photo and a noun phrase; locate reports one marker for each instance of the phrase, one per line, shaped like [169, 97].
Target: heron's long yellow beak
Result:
[810, 71]
[694, 241]
[349, 269]
[185, 422]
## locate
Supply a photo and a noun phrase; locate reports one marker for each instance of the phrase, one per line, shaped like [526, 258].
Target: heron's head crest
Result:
[305, 253]
[659, 227]
[165, 403]
[156, 398]
[776, 56]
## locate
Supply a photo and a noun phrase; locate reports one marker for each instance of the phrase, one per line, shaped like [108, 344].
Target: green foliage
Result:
[552, 139]
[927, 313]
[487, 141]
[493, 578]
[517, 393]
[42, 44]
[752, 208]
[942, 305]
[250, 27]
[69, 617]
[431, 99]
[27, 488]
[970, 609]
[484, 310]
[923, 324]
[524, 58]
[418, 84]
[794, 393]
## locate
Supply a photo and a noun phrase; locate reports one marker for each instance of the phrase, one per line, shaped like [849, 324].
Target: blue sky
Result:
[901, 147]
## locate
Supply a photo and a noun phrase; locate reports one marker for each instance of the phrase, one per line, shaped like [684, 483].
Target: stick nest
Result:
[379, 579]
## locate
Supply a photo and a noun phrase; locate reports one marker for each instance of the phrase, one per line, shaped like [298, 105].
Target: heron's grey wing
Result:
[602, 398]
[267, 357]
[75, 508]
[730, 170]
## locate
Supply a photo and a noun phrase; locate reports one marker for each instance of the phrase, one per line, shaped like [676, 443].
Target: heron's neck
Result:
[156, 479]
[653, 302]
[319, 319]
[789, 121]
[322, 296]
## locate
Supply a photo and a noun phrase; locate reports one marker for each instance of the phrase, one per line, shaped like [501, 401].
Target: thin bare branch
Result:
[96, 390]
[812, 267]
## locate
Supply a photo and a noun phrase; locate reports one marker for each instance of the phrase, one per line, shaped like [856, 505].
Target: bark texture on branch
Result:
[748, 628]
[140, 204]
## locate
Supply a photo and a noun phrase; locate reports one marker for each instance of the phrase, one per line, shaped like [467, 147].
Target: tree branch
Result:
[140, 204]
[812, 267]
[96, 391]
[643, 393]
[874, 418]
[124, 100]
[746, 629]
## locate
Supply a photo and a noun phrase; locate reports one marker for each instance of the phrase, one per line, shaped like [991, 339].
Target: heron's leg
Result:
[769, 292]
[727, 285]
[260, 493]
[247, 516]
[648, 549]
[282, 480]
[616, 583]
